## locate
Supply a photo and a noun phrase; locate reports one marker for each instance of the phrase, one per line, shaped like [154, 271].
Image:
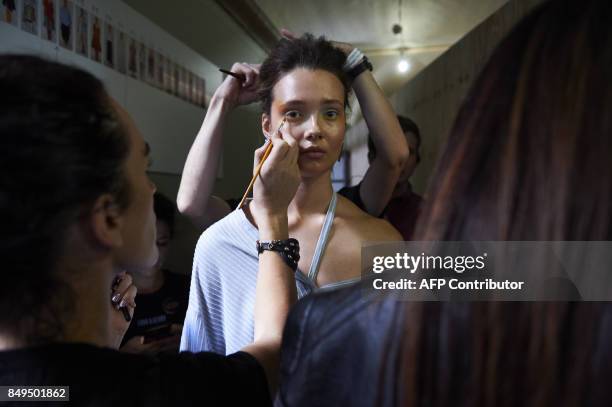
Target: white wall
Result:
[168, 123]
[433, 98]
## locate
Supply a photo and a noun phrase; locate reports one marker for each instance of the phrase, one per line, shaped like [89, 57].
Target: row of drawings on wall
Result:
[74, 28]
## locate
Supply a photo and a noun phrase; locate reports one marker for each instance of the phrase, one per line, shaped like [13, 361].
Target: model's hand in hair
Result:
[238, 92]
[195, 199]
[123, 293]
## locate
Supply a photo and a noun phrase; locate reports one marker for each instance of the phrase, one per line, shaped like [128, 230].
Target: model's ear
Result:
[265, 124]
[105, 222]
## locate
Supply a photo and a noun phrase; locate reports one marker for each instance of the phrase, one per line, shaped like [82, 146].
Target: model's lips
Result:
[312, 152]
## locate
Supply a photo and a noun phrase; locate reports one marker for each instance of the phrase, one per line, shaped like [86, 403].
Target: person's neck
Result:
[150, 282]
[402, 190]
[89, 318]
[312, 197]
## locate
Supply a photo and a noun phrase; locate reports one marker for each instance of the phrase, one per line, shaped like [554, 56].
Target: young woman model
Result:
[303, 82]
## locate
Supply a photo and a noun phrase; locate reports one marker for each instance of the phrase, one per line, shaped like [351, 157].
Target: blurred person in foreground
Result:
[527, 160]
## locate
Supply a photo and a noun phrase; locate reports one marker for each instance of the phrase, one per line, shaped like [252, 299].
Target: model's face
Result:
[138, 219]
[313, 103]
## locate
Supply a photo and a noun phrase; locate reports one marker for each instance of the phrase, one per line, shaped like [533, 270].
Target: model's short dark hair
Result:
[61, 147]
[408, 126]
[164, 210]
[304, 52]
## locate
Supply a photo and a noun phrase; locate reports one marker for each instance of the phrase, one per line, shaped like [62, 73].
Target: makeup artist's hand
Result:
[240, 93]
[342, 46]
[123, 293]
[279, 177]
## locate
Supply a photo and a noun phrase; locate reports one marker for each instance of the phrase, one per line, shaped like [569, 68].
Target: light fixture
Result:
[403, 65]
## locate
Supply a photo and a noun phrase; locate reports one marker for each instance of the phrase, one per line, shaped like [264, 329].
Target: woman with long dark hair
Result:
[77, 208]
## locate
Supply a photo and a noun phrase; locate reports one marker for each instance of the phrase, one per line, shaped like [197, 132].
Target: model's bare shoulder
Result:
[347, 210]
[363, 225]
[381, 230]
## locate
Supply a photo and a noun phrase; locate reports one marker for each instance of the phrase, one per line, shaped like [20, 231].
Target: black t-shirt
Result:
[105, 377]
[164, 307]
[402, 211]
[353, 195]
[233, 203]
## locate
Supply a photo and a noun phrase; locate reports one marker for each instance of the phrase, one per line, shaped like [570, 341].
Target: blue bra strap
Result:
[323, 238]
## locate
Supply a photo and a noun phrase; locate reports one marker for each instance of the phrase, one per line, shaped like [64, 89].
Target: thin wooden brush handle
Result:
[261, 162]
[257, 170]
[238, 76]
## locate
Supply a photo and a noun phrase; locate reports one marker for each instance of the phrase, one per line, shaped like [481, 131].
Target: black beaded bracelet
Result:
[289, 250]
[359, 69]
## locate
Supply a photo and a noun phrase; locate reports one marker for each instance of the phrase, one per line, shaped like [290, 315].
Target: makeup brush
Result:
[238, 76]
[258, 168]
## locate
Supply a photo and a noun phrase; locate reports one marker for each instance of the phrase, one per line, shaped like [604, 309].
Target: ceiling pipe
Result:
[406, 50]
[253, 21]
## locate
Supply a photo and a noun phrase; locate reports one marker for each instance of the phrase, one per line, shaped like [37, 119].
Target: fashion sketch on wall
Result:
[29, 16]
[8, 12]
[66, 12]
[81, 31]
[95, 51]
[49, 31]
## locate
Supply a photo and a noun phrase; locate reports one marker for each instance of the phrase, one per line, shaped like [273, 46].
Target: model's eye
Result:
[293, 115]
[331, 114]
